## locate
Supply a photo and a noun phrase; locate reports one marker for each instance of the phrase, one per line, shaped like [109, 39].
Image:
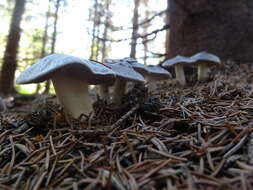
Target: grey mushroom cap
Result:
[111, 61]
[158, 72]
[206, 57]
[125, 71]
[92, 72]
[129, 60]
[176, 60]
[139, 67]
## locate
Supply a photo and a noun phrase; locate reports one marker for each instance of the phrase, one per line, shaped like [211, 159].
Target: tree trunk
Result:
[145, 30]
[145, 39]
[93, 41]
[106, 27]
[222, 27]
[43, 48]
[135, 29]
[97, 44]
[10, 55]
[45, 34]
[167, 39]
[55, 26]
[57, 5]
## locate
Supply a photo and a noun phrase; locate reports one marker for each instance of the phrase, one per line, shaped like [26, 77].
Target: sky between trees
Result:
[73, 27]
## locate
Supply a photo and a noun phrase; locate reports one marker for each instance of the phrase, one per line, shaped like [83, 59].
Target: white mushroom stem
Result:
[203, 71]
[180, 76]
[119, 91]
[104, 92]
[72, 94]
[151, 84]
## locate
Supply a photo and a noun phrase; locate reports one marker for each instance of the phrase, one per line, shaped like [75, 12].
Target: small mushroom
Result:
[155, 73]
[139, 67]
[103, 89]
[204, 60]
[124, 73]
[71, 77]
[178, 63]
[104, 92]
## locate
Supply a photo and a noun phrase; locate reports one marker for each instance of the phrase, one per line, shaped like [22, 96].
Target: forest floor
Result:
[196, 137]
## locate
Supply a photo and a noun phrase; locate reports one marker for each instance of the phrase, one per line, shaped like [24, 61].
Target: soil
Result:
[193, 137]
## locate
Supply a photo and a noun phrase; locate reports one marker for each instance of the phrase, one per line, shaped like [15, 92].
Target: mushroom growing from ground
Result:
[71, 77]
[204, 60]
[124, 73]
[104, 92]
[155, 73]
[139, 67]
[178, 63]
[103, 89]
[151, 73]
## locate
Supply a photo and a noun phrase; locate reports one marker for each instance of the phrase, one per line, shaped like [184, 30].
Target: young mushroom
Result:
[204, 61]
[104, 92]
[151, 73]
[103, 89]
[139, 67]
[71, 77]
[178, 63]
[155, 73]
[124, 73]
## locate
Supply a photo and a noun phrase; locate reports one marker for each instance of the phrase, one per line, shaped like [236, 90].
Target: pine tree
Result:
[10, 56]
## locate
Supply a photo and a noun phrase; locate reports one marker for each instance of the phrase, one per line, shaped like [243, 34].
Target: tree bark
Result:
[10, 55]
[222, 27]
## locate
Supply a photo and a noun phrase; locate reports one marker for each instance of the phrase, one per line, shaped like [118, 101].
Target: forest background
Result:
[94, 29]
[150, 31]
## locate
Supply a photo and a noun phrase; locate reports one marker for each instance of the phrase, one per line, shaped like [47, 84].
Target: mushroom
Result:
[104, 92]
[178, 62]
[155, 73]
[139, 67]
[124, 73]
[204, 60]
[151, 73]
[103, 89]
[71, 77]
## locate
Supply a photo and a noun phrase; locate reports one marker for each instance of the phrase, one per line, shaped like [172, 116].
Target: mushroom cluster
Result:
[71, 77]
[202, 59]
[151, 73]
[124, 73]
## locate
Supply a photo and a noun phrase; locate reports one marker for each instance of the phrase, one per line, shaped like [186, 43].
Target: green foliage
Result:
[26, 89]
